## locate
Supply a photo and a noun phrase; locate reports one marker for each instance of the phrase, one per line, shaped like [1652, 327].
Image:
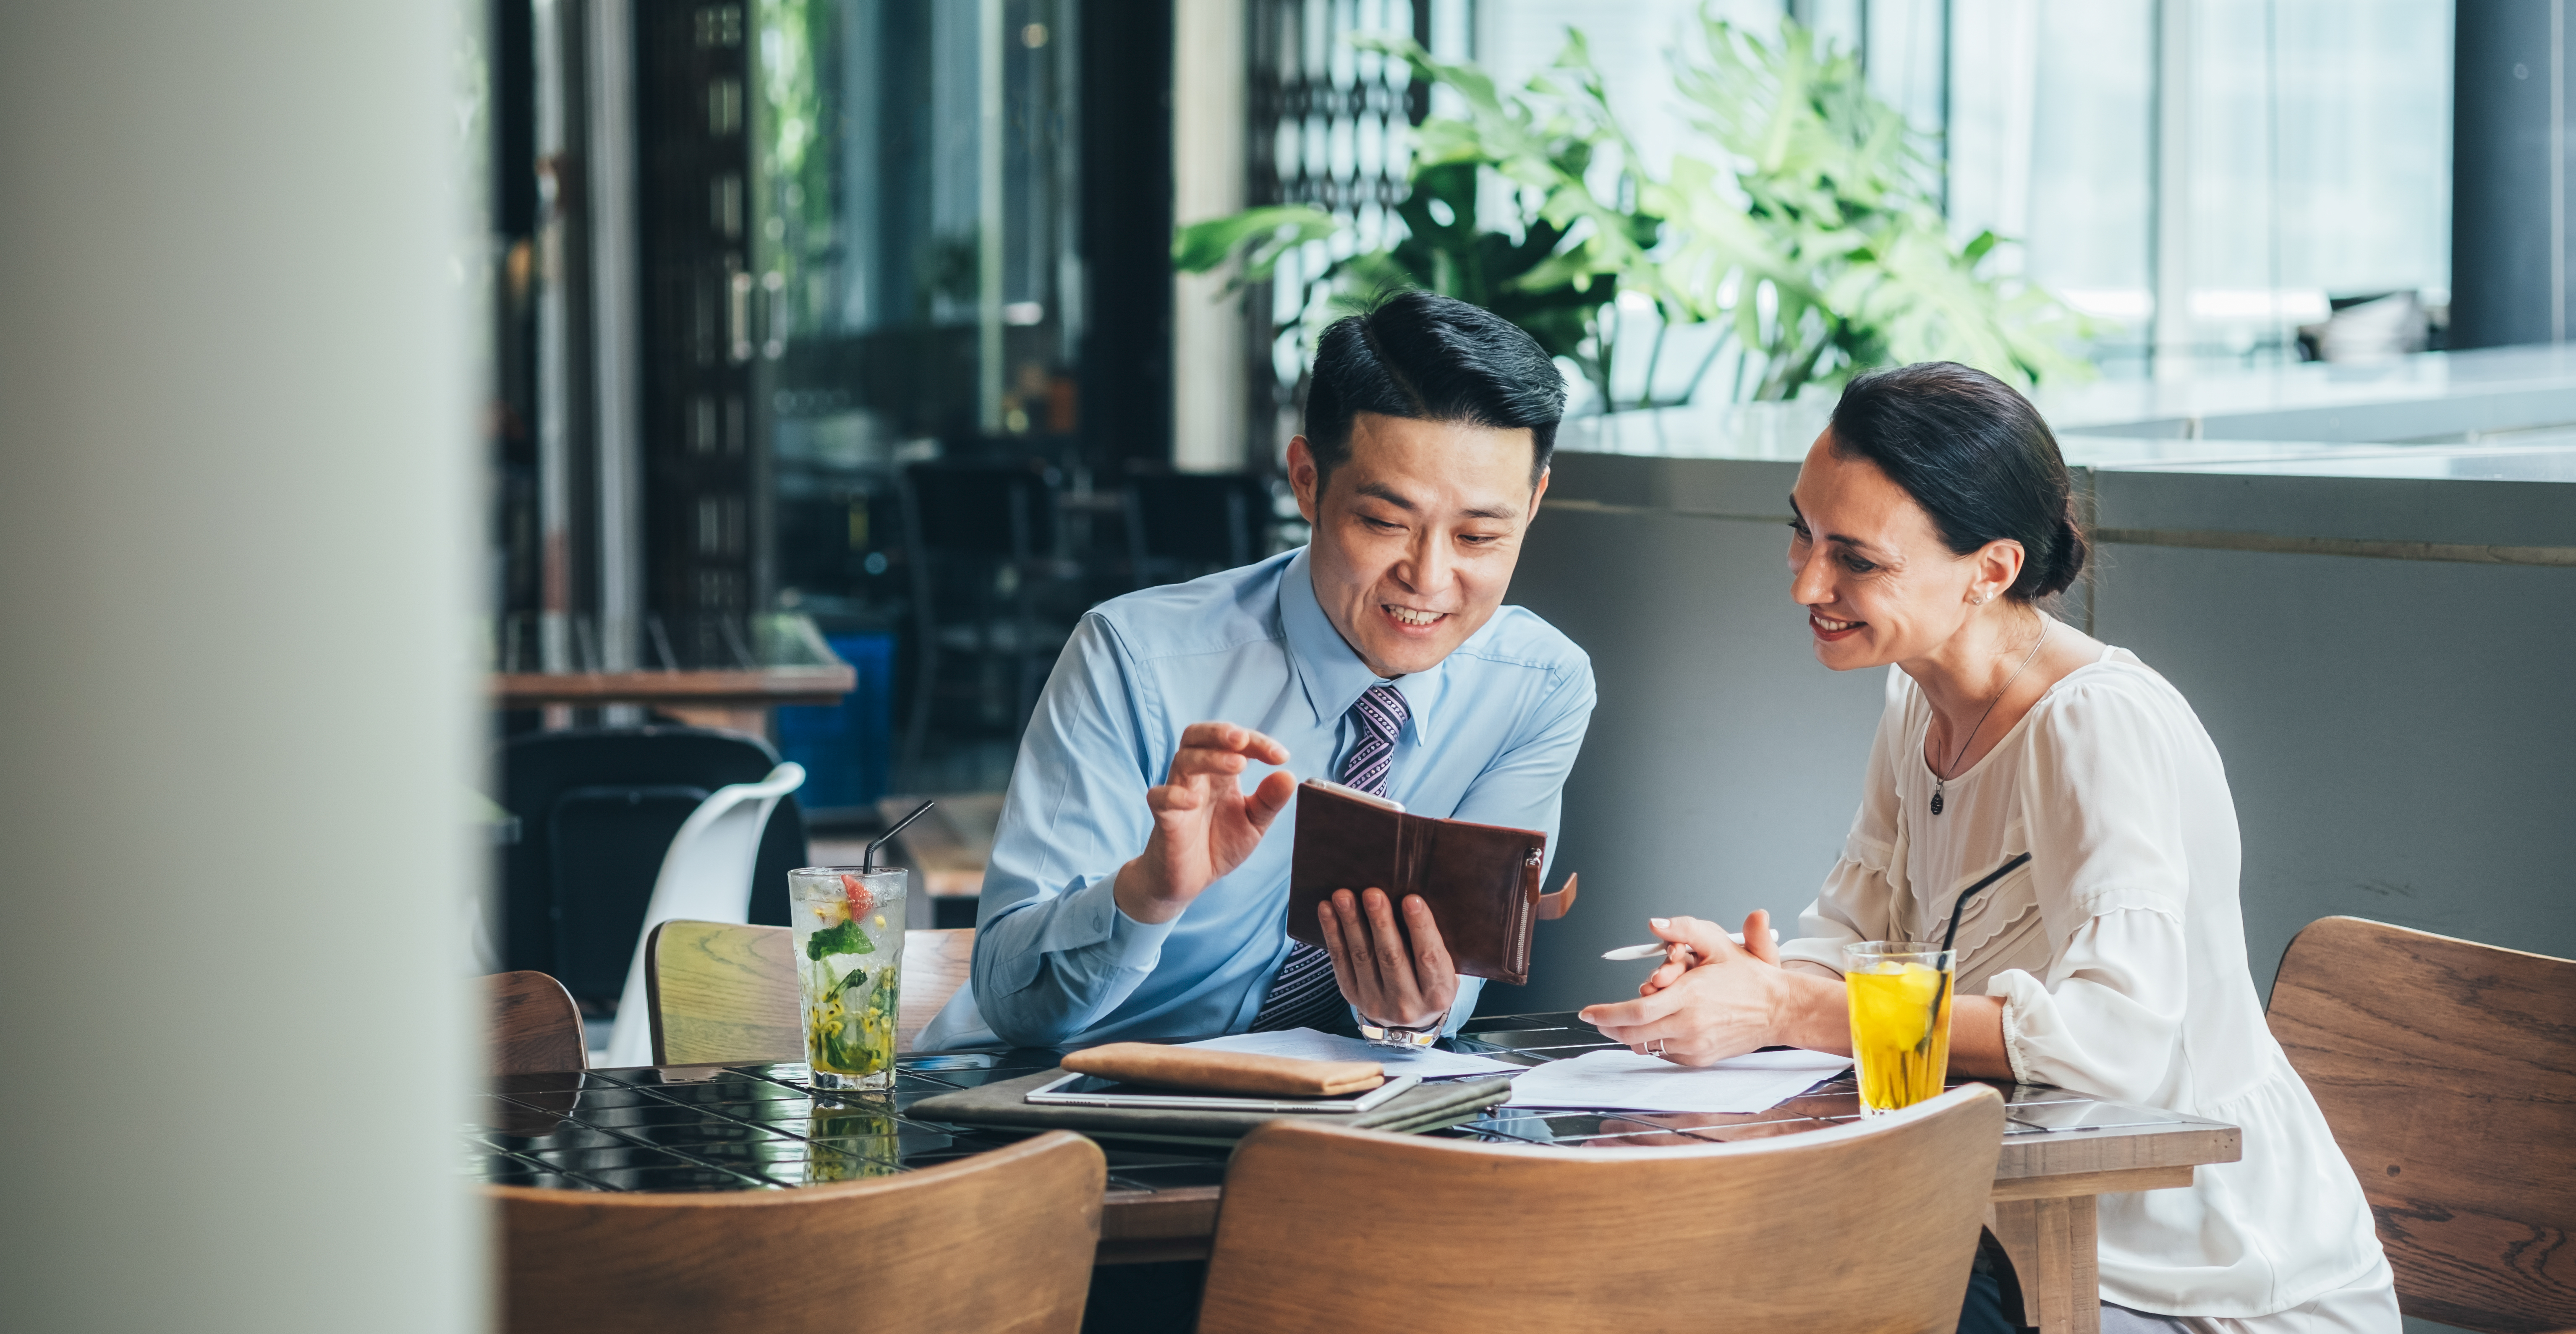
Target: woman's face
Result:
[1867, 563]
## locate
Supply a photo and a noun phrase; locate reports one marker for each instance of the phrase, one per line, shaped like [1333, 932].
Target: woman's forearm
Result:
[1813, 1012]
[1977, 1038]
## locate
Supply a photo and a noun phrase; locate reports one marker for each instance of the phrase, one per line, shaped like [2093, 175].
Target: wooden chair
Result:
[999, 1241]
[935, 965]
[1867, 1226]
[724, 992]
[2447, 1071]
[535, 1026]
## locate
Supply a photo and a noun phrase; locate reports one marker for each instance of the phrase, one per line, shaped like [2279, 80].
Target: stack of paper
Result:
[1307, 1044]
[1626, 1082]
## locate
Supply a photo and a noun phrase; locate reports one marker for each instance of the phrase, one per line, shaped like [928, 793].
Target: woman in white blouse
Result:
[1931, 516]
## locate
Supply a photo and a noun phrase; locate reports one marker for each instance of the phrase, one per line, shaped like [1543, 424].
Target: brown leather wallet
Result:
[1481, 880]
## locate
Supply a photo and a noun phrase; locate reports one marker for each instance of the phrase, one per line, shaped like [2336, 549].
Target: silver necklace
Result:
[1940, 782]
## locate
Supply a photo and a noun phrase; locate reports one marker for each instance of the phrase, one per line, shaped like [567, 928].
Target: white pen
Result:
[1655, 948]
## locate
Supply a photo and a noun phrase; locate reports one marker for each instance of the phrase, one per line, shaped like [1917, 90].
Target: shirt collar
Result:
[1329, 669]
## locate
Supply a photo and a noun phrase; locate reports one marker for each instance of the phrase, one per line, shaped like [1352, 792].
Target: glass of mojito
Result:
[849, 971]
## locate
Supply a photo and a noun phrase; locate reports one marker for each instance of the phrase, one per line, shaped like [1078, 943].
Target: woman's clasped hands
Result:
[1711, 998]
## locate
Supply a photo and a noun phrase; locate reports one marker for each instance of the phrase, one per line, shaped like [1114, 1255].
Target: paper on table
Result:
[1625, 1081]
[1308, 1044]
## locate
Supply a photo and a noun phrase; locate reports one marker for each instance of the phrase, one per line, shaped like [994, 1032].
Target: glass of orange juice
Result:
[1900, 1020]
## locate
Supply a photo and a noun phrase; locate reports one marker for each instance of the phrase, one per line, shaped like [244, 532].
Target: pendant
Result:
[1936, 801]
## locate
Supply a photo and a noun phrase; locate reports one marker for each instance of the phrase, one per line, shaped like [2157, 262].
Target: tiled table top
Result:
[753, 1127]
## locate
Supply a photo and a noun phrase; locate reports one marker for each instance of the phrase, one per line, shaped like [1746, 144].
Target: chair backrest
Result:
[707, 875]
[722, 992]
[535, 1027]
[597, 809]
[2447, 1071]
[1869, 1225]
[1000, 1241]
[935, 965]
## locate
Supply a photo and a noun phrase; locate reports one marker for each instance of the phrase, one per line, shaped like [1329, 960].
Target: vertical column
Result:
[616, 270]
[235, 525]
[2172, 245]
[989, 220]
[2509, 259]
[1209, 68]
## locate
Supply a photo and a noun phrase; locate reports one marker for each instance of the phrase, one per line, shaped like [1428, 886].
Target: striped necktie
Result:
[1304, 995]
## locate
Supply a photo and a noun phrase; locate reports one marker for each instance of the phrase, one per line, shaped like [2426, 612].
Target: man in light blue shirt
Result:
[1136, 889]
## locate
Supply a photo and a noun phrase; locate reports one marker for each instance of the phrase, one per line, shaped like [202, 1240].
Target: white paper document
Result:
[1624, 1081]
[1308, 1045]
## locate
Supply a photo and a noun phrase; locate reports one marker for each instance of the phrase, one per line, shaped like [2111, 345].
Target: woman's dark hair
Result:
[1431, 358]
[1974, 454]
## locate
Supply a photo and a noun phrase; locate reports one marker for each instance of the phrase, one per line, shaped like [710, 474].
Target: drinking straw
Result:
[869, 862]
[1942, 992]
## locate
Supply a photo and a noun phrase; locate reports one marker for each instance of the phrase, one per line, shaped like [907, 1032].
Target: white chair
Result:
[706, 876]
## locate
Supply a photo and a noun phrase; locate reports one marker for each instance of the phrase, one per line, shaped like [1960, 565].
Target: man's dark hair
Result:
[1974, 454]
[1430, 358]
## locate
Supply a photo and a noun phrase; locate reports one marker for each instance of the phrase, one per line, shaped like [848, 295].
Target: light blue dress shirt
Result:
[1493, 733]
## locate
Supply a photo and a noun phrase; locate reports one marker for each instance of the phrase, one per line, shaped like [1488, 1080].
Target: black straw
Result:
[869, 862]
[1942, 992]
[1956, 908]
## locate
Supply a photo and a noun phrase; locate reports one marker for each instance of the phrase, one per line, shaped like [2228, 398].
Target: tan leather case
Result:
[1205, 1071]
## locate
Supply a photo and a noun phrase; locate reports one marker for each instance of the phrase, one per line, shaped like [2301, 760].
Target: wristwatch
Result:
[1400, 1035]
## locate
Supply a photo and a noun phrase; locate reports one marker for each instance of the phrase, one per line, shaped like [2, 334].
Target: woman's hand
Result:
[1732, 1000]
[1679, 957]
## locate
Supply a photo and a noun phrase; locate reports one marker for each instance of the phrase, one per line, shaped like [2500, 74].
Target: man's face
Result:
[1416, 533]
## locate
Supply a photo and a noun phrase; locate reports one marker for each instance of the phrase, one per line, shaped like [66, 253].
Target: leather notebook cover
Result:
[1004, 1105]
[1240, 1072]
[1481, 880]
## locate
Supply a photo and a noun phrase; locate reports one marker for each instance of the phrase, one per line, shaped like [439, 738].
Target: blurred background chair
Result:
[985, 545]
[597, 810]
[999, 1241]
[707, 876]
[534, 1028]
[1871, 1225]
[720, 992]
[1183, 525]
[2447, 1071]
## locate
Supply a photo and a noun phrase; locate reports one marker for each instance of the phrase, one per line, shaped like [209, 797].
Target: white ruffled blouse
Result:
[2119, 952]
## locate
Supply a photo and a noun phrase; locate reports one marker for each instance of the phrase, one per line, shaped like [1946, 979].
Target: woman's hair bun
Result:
[1977, 457]
[2064, 564]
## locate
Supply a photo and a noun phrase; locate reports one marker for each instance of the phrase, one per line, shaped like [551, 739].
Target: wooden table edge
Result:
[775, 685]
[1143, 1226]
[2069, 1184]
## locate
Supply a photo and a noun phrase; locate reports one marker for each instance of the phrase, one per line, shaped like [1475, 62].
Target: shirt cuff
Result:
[2006, 985]
[1130, 943]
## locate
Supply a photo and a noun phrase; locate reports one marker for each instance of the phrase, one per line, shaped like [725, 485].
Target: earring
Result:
[1978, 600]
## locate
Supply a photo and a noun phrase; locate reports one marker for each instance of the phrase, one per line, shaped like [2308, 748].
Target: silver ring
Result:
[1657, 1049]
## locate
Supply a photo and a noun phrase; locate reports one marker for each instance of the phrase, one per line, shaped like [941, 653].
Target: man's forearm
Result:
[1047, 970]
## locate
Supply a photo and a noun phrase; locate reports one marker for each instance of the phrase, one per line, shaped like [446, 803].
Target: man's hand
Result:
[1205, 824]
[1383, 980]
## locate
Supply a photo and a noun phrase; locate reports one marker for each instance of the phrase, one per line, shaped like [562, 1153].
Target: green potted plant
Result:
[1802, 224]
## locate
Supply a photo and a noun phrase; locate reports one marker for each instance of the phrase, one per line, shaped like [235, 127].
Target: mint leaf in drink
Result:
[841, 938]
[852, 982]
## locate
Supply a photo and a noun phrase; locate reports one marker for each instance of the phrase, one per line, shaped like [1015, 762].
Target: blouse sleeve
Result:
[1856, 901]
[2102, 801]
[2108, 1018]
